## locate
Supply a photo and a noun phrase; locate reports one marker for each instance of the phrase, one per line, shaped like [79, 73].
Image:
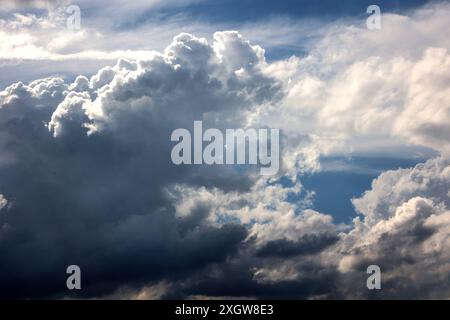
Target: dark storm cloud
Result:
[236, 278]
[99, 200]
[308, 244]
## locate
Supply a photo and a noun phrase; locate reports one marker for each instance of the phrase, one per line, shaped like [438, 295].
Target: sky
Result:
[86, 177]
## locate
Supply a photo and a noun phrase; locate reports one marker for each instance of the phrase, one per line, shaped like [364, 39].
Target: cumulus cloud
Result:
[85, 166]
[405, 230]
[96, 153]
[358, 91]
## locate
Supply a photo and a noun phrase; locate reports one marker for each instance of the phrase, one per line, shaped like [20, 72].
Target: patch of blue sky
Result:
[250, 10]
[345, 178]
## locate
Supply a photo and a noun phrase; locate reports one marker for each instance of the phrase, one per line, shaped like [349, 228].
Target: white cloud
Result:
[359, 91]
[3, 202]
[393, 188]
[404, 230]
[264, 208]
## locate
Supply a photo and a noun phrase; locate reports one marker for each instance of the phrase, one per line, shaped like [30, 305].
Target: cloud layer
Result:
[86, 176]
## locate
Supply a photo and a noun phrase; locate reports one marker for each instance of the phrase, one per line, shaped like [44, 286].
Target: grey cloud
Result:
[98, 200]
[307, 244]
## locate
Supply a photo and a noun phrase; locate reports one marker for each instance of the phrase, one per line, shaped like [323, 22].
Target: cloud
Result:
[95, 156]
[3, 202]
[38, 4]
[358, 91]
[405, 230]
[308, 244]
[85, 166]
[428, 180]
